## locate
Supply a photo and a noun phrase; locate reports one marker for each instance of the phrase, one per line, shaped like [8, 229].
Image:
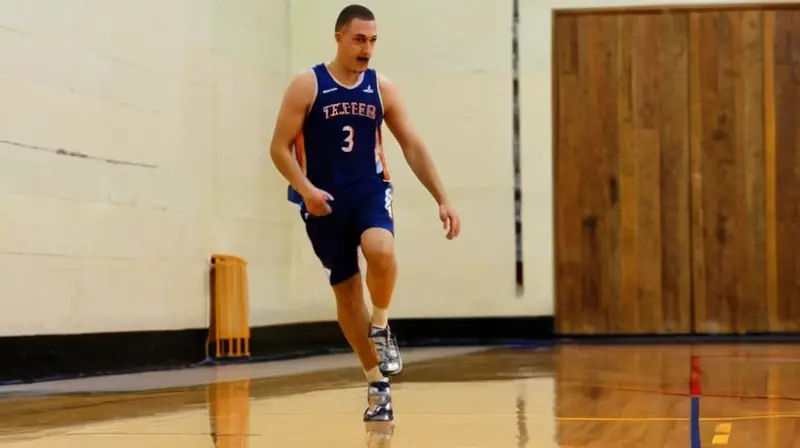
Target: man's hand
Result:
[451, 222]
[316, 201]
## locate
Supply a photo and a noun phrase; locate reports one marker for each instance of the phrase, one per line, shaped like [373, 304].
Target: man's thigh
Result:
[375, 209]
[333, 242]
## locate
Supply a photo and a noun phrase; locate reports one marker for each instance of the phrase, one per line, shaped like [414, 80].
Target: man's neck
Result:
[343, 75]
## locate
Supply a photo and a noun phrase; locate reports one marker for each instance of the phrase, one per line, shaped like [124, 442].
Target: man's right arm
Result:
[294, 108]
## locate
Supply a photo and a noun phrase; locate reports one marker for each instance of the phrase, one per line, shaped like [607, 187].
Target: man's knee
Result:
[377, 245]
[348, 292]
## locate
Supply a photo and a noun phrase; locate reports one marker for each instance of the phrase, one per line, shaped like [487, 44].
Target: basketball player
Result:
[327, 144]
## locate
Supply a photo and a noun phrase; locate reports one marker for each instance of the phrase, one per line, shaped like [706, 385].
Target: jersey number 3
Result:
[348, 141]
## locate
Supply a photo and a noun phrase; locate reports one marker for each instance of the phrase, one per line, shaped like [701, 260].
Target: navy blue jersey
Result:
[340, 145]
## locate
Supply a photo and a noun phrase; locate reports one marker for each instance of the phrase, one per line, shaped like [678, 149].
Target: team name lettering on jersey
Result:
[349, 108]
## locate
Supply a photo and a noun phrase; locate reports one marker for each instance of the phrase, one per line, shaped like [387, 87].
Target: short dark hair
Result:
[353, 12]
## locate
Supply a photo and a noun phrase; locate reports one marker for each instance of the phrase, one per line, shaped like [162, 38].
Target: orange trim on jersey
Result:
[300, 151]
[381, 154]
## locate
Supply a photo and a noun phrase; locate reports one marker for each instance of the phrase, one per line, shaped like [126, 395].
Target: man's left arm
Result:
[414, 150]
[416, 154]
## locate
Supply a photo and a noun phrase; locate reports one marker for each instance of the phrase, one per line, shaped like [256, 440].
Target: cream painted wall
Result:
[186, 91]
[458, 89]
[452, 60]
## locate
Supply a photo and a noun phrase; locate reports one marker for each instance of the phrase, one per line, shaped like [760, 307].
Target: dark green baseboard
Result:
[51, 357]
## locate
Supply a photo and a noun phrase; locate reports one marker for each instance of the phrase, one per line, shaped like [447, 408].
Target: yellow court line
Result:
[722, 434]
[724, 428]
[675, 419]
[720, 439]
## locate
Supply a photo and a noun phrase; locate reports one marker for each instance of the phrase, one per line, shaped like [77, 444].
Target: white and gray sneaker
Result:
[390, 363]
[379, 402]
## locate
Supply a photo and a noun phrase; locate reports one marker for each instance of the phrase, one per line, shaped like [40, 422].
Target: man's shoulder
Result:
[302, 87]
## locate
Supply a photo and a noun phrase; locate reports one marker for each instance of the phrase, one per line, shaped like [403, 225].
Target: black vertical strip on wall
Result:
[515, 146]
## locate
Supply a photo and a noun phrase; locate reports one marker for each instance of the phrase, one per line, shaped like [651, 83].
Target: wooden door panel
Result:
[622, 174]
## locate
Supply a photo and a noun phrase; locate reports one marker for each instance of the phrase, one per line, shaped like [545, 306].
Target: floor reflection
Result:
[379, 434]
[589, 396]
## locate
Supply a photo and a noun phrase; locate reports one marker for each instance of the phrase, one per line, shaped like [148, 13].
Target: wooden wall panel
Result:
[678, 171]
[622, 174]
[728, 175]
[580, 248]
[782, 69]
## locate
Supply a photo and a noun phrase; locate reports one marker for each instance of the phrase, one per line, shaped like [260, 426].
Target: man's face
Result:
[356, 42]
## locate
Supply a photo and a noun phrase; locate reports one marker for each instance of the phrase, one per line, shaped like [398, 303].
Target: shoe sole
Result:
[393, 373]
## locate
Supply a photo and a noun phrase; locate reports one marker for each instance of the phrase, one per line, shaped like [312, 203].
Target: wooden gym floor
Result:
[569, 396]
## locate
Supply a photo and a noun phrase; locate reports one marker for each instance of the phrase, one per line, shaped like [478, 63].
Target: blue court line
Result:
[695, 422]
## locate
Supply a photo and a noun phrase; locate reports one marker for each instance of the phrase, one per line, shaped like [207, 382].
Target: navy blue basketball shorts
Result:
[337, 236]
